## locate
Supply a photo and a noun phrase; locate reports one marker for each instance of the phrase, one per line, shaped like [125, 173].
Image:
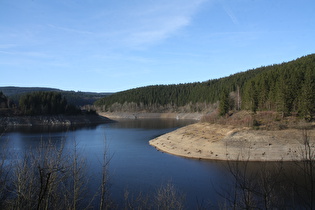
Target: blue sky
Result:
[114, 45]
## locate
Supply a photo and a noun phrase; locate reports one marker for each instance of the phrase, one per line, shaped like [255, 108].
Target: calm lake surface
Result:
[134, 164]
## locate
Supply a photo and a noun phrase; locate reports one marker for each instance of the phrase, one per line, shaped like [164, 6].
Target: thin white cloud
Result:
[229, 12]
[70, 40]
[123, 29]
[152, 22]
[159, 30]
[136, 26]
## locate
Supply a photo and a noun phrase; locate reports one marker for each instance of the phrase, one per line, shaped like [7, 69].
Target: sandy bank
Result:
[218, 142]
[144, 115]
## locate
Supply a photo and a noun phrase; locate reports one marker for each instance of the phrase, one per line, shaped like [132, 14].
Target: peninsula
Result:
[224, 142]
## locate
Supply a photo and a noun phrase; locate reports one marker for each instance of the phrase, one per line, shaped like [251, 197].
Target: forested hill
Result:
[76, 98]
[287, 87]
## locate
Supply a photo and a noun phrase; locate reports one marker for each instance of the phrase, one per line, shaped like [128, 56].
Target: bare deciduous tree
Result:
[167, 197]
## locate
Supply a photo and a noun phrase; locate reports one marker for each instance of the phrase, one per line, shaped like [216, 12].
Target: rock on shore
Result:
[221, 142]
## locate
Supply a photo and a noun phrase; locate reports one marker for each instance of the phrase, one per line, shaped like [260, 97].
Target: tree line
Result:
[287, 87]
[45, 103]
[176, 96]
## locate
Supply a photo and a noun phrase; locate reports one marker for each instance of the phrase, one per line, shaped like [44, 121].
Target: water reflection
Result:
[151, 123]
[44, 129]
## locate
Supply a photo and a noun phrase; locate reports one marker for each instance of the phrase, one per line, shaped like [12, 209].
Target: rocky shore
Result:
[147, 115]
[221, 142]
[52, 120]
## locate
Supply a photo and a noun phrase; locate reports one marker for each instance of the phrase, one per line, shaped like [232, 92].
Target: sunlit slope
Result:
[287, 87]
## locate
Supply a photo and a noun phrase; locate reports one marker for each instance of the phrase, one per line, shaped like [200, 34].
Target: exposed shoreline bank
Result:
[148, 115]
[102, 117]
[222, 142]
[52, 120]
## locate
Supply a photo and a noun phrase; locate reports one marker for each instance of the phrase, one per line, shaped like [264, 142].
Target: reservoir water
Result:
[135, 166]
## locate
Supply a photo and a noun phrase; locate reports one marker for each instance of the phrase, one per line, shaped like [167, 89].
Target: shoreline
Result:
[52, 120]
[149, 115]
[221, 142]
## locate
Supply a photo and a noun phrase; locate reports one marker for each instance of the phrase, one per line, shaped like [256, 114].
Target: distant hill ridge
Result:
[12, 90]
[73, 97]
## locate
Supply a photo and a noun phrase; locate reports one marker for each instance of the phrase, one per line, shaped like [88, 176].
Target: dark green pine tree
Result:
[285, 96]
[307, 101]
[251, 96]
[224, 103]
